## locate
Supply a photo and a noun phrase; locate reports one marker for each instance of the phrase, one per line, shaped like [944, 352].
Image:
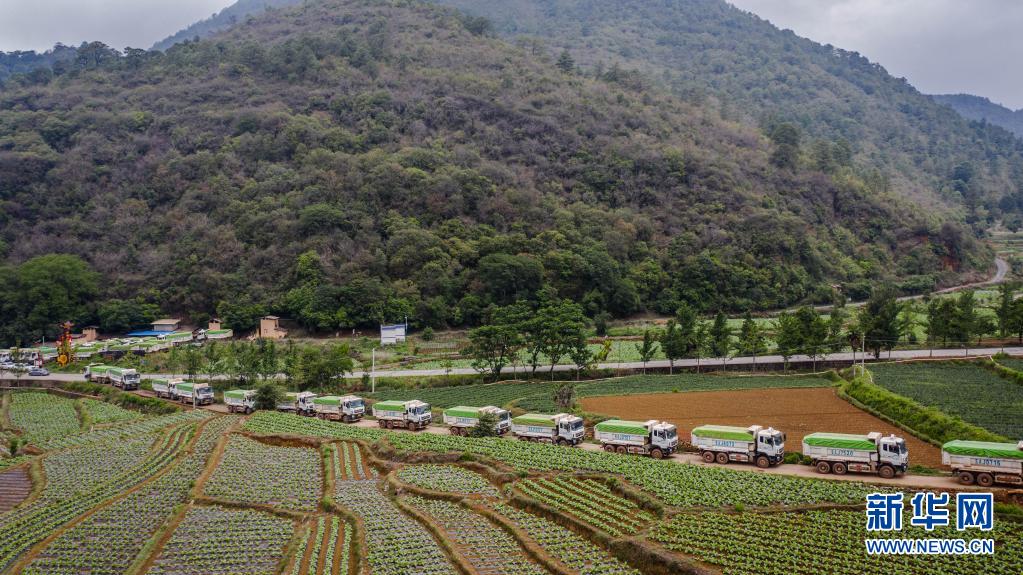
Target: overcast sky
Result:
[941, 46]
[39, 24]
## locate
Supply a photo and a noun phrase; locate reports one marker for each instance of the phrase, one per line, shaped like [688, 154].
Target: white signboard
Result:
[392, 334]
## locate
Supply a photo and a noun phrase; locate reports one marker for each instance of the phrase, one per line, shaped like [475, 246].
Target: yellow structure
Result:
[270, 328]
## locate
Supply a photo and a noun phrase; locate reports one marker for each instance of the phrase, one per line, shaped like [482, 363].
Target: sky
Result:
[940, 46]
[39, 24]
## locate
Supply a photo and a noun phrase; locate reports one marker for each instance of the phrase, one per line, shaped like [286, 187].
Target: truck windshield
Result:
[577, 425]
[900, 445]
[421, 409]
[355, 404]
[505, 416]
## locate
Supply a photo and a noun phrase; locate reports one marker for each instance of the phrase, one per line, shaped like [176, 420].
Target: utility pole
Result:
[373, 370]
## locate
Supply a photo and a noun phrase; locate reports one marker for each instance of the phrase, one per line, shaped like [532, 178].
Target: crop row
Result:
[349, 463]
[215, 541]
[125, 526]
[325, 548]
[489, 549]
[589, 500]
[42, 416]
[970, 392]
[823, 542]
[448, 478]
[579, 554]
[252, 472]
[129, 430]
[80, 480]
[397, 545]
[102, 412]
[674, 483]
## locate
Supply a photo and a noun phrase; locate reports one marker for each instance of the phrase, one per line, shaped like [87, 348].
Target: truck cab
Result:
[354, 407]
[413, 414]
[664, 436]
[240, 400]
[300, 402]
[570, 428]
[654, 438]
[892, 451]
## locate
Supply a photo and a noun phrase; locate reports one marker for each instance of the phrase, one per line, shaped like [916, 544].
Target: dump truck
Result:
[164, 388]
[461, 419]
[347, 409]
[126, 379]
[298, 402]
[654, 438]
[194, 393]
[240, 400]
[414, 414]
[753, 444]
[984, 463]
[97, 373]
[840, 453]
[561, 428]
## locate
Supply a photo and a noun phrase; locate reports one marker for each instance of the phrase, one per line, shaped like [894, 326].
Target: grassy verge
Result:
[926, 423]
[147, 405]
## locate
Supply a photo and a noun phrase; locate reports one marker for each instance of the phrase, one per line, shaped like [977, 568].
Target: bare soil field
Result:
[797, 412]
[15, 485]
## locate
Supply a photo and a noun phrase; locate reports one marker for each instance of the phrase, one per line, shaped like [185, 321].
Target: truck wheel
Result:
[609, 448]
[985, 480]
[839, 468]
[722, 458]
[453, 431]
[562, 442]
[824, 467]
[382, 424]
[708, 456]
[763, 462]
[248, 410]
[622, 450]
[523, 438]
[389, 424]
[886, 472]
[657, 454]
[966, 478]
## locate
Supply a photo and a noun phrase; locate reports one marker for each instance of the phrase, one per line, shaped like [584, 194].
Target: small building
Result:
[215, 325]
[392, 334]
[270, 328]
[166, 325]
[89, 335]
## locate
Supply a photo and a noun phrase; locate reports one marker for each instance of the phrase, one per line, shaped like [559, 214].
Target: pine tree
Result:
[565, 62]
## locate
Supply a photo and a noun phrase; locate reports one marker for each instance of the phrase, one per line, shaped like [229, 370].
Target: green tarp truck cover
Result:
[535, 420]
[185, 386]
[100, 369]
[984, 449]
[327, 400]
[463, 411]
[390, 406]
[238, 393]
[625, 427]
[723, 432]
[117, 370]
[840, 441]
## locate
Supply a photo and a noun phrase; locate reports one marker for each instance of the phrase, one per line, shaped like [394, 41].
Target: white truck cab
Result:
[240, 400]
[839, 453]
[753, 444]
[414, 414]
[300, 402]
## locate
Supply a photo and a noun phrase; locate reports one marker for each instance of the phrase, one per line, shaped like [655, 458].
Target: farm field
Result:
[15, 485]
[536, 395]
[974, 394]
[797, 412]
[225, 495]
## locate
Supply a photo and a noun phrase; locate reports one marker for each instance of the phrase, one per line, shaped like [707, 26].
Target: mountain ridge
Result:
[979, 108]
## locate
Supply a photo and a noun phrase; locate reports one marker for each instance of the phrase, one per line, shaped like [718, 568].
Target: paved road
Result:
[935, 483]
[707, 363]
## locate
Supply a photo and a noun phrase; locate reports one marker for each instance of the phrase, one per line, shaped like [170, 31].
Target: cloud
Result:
[39, 24]
[940, 46]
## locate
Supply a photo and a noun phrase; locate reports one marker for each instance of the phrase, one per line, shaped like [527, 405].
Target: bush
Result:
[924, 422]
[427, 334]
[793, 458]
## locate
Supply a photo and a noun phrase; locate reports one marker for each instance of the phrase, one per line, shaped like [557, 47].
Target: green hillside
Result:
[348, 162]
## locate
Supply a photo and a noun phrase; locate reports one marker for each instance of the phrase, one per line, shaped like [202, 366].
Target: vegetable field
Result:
[822, 542]
[974, 394]
[194, 493]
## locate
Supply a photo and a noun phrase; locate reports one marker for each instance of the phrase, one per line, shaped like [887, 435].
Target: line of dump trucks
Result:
[972, 462]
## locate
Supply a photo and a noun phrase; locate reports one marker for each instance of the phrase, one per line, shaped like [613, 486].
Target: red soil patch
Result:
[797, 412]
[15, 486]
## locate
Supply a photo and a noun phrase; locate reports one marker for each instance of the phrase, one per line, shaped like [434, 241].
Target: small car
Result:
[38, 371]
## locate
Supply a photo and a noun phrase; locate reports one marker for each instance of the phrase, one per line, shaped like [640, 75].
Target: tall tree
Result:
[879, 320]
[786, 140]
[788, 336]
[673, 343]
[648, 349]
[493, 345]
[1006, 297]
[752, 341]
[720, 336]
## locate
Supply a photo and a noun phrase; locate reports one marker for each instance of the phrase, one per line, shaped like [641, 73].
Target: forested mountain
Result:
[233, 14]
[26, 61]
[344, 162]
[982, 109]
[709, 52]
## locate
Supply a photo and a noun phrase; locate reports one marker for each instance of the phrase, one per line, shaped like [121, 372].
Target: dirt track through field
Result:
[15, 486]
[797, 412]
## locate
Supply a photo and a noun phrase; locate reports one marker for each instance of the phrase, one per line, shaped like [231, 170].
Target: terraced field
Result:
[193, 493]
[976, 395]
